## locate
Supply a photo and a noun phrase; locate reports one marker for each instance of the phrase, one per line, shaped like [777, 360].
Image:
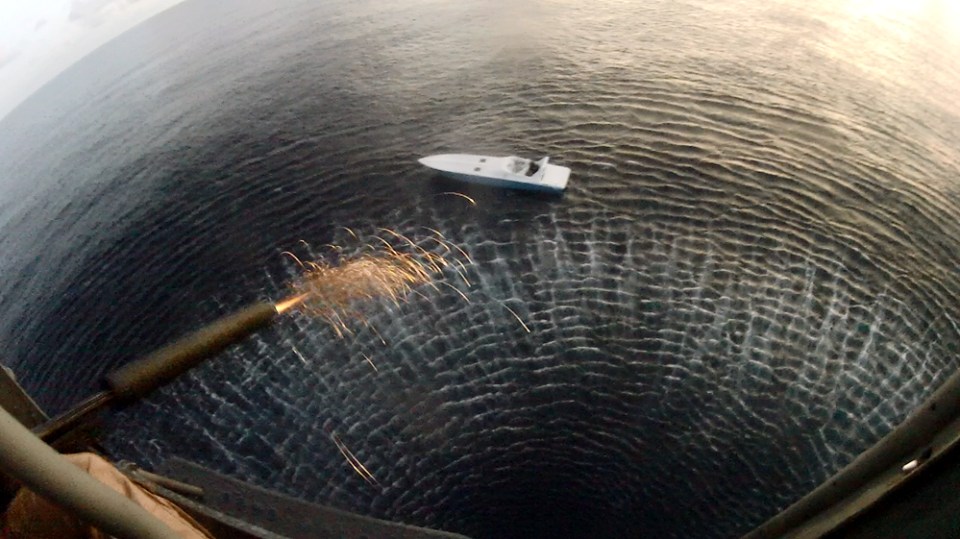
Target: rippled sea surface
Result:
[750, 279]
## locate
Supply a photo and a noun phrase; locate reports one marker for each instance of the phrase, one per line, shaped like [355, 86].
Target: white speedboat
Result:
[511, 171]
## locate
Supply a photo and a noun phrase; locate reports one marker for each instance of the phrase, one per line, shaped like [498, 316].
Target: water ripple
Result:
[750, 279]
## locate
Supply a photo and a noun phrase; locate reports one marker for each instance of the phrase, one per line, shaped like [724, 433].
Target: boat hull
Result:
[507, 172]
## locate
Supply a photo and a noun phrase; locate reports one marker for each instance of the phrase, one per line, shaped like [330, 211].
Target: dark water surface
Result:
[751, 278]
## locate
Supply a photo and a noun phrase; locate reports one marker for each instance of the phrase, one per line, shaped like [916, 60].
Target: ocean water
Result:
[750, 279]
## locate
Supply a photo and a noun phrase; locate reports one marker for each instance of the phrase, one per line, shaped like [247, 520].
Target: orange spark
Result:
[470, 200]
[381, 270]
[354, 461]
[515, 315]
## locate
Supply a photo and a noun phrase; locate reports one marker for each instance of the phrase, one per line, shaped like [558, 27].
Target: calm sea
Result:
[750, 279]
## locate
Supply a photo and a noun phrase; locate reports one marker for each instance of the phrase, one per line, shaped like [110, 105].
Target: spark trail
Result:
[335, 293]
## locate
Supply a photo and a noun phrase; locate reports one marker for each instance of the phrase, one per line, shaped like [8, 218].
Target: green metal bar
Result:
[137, 379]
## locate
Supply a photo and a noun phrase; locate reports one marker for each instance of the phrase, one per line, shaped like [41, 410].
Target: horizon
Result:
[40, 40]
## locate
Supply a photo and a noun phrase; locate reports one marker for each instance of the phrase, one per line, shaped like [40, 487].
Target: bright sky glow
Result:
[41, 38]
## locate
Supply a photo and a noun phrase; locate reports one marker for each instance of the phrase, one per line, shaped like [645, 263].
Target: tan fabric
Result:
[30, 516]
